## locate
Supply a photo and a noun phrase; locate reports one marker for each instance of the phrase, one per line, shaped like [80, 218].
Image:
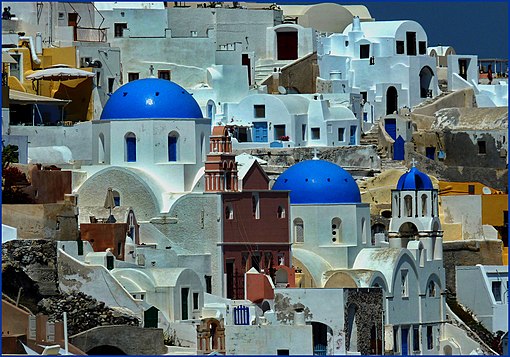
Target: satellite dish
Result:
[486, 190]
[282, 90]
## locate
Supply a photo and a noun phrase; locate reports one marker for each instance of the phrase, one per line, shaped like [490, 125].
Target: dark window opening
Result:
[496, 290]
[364, 95]
[422, 47]
[164, 74]
[416, 339]
[133, 76]
[364, 51]
[111, 82]
[208, 284]
[119, 29]
[411, 43]
[316, 133]
[471, 189]
[400, 47]
[430, 338]
[259, 111]
[255, 261]
[341, 134]
[282, 352]
[195, 301]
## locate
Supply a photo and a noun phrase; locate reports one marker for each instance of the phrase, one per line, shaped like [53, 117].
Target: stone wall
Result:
[469, 253]
[300, 75]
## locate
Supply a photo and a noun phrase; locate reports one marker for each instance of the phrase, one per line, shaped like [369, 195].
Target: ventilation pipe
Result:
[356, 26]
[38, 43]
[32, 48]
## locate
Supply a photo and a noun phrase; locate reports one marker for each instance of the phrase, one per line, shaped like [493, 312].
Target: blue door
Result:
[352, 139]
[390, 125]
[430, 152]
[398, 149]
[260, 132]
[131, 149]
[172, 148]
[405, 336]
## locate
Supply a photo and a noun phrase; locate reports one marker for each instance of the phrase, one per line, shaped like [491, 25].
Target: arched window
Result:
[397, 205]
[363, 231]
[431, 289]
[173, 146]
[423, 205]
[229, 212]
[116, 198]
[299, 231]
[336, 230]
[408, 202]
[100, 149]
[255, 205]
[281, 212]
[130, 147]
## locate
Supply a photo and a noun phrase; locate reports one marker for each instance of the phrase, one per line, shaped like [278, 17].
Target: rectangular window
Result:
[111, 82]
[400, 47]
[430, 338]
[316, 133]
[164, 74]
[98, 79]
[184, 303]
[471, 189]
[255, 261]
[364, 51]
[364, 95]
[395, 339]
[208, 284]
[195, 301]
[416, 339]
[282, 352]
[279, 132]
[411, 43]
[341, 134]
[119, 29]
[133, 76]
[422, 47]
[496, 290]
[404, 283]
[482, 149]
[303, 132]
[255, 205]
[259, 111]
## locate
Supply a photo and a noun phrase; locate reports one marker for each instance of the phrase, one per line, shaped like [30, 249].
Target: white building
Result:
[483, 289]
[385, 61]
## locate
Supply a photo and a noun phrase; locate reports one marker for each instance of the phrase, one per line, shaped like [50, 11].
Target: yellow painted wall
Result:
[451, 231]
[462, 188]
[493, 207]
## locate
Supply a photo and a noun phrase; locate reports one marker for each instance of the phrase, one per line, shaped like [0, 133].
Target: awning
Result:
[60, 74]
[17, 97]
[7, 58]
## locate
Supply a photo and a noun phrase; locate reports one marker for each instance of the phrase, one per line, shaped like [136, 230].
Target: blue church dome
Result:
[151, 98]
[318, 182]
[414, 179]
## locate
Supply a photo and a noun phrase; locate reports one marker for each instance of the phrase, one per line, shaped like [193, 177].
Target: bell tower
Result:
[220, 166]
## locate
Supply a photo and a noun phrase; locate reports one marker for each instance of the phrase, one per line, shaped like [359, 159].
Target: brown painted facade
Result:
[49, 185]
[106, 235]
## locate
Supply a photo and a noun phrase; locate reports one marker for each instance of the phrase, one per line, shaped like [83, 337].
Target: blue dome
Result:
[151, 98]
[318, 182]
[414, 180]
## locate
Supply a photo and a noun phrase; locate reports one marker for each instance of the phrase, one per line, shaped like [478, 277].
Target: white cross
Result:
[413, 162]
[315, 152]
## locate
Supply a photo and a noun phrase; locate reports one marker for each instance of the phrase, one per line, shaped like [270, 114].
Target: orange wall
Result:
[493, 207]
[105, 235]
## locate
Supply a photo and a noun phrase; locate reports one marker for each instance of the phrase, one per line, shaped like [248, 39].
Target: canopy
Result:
[60, 73]
[7, 58]
[18, 97]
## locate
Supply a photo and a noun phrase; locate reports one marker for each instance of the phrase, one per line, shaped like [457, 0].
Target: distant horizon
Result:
[464, 25]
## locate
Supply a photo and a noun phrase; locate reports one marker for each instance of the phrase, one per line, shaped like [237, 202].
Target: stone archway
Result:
[211, 336]
[391, 100]
[426, 75]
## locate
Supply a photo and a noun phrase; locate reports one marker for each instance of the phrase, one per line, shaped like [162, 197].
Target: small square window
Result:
[482, 149]
[259, 111]
[119, 29]
[316, 133]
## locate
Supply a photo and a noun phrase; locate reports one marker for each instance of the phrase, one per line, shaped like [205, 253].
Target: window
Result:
[98, 79]
[471, 189]
[208, 284]
[173, 146]
[364, 95]
[336, 230]
[279, 132]
[299, 231]
[364, 51]
[316, 133]
[341, 134]
[164, 74]
[133, 76]
[482, 149]
[496, 290]
[259, 111]
[430, 338]
[282, 352]
[416, 339]
[411, 43]
[116, 198]
[330, 129]
[408, 202]
[229, 212]
[303, 132]
[119, 29]
[111, 82]
[404, 282]
[255, 205]
[432, 289]
[422, 47]
[130, 148]
[281, 212]
[395, 339]
[195, 301]
[423, 205]
[400, 47]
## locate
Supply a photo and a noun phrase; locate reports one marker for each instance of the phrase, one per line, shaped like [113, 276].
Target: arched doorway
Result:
[105, 350]
[286, 44]
[426, 75]
[391, 100]
[320, 333]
